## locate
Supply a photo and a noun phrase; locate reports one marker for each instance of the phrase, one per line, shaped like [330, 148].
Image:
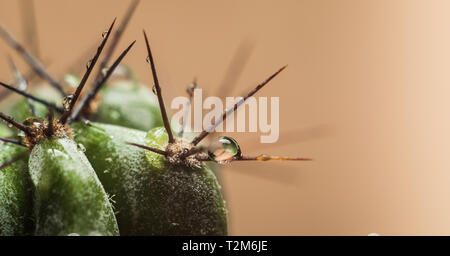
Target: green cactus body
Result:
[69, 198]
[186, 201]
[5, 131]
[15, 192]
[153, 197]
[120, 167]
[130, 105]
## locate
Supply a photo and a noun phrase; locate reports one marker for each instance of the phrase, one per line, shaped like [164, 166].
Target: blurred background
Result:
[366, 94]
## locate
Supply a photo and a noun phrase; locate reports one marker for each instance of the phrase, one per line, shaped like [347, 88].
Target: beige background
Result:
[366, 94]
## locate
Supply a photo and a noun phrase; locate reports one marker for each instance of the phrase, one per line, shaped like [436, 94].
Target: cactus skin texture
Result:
[15, 192]
[121, 169]
[5, 131]
[186, 201]
[129, 105]
[153, 197]
[69, 198]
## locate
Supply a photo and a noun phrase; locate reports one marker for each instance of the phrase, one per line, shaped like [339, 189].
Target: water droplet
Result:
[191, 87]
[88, 64]
[223, 149]
[10, 125]
[21, 134]
[147, 59]
[105, 70]
[22, 85]
[154, 90]
[105, 33]
[29, 121]
[66, 101]
[81, 147]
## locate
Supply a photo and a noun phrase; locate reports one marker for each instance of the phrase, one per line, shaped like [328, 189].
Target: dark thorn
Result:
[37, 66]
[12, 141]
[50, 129]
[192, 151]
[115, 39]
[190, 91]
[25, 129]
[12, 161]
[22, 84]
[29, 77]
[203, 158]
[155, 150]
[158, 91]
[261, 158]
[264, 157]
[65, 116]
[210, 129]
[25, 94]
[90, 95]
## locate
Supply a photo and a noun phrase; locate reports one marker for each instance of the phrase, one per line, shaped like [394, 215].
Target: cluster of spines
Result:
[74, 112]
[67, 114]
[197, 149]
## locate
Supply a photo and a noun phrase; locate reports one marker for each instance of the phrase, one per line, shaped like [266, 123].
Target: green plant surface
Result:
[69, 198]
[15, 192]
[130, 105]
[5, 131]
[153, 197]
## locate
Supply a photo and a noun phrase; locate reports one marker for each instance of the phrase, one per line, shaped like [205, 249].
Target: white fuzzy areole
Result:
[177, 149]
